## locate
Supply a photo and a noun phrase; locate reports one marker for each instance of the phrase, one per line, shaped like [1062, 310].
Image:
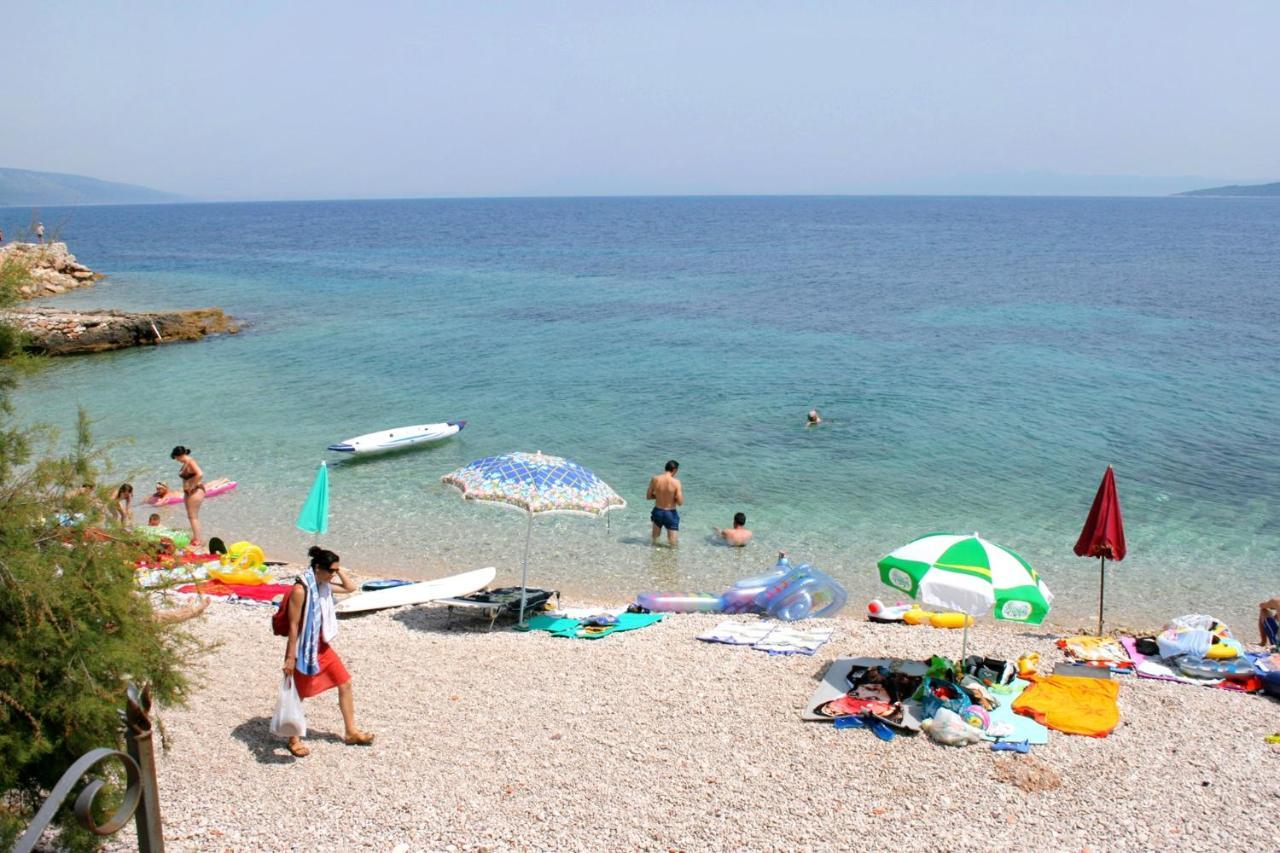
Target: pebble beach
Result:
[651, 739]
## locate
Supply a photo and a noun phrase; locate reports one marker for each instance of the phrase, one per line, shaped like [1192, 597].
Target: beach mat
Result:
[772, 637]
[559, 626]
[257, 592]
[835, 682]
[1024, 728]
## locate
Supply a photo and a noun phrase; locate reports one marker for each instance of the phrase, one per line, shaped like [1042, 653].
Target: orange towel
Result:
[1077, 706]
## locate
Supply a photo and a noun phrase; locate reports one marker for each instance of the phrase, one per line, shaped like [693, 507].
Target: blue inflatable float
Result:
[787, 592]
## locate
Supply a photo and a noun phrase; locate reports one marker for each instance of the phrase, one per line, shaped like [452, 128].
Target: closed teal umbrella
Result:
[314, 517]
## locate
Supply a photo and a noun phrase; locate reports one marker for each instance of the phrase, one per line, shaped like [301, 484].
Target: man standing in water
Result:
[666, 493]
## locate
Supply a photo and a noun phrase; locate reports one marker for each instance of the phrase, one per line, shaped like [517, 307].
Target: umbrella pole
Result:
[964, 643]
[524, 573]
[1102, 591]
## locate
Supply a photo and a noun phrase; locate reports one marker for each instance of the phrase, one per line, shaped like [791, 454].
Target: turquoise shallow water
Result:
[980, 362]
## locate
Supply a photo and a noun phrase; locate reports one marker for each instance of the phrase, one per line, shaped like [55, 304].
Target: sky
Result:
[317, 99]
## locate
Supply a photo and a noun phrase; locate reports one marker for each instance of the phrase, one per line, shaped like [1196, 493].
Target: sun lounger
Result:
[495, 603]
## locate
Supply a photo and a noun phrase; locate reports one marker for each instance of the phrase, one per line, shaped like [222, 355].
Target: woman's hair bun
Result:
[314, 551]
[179, 451]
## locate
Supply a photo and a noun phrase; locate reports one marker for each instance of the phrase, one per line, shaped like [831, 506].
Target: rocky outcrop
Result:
[52, 269]
[56, 332]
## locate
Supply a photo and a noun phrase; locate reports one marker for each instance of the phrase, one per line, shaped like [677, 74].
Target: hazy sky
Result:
[326, 100]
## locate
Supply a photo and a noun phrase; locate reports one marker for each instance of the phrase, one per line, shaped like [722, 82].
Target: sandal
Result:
[358, 739]
[299, 749]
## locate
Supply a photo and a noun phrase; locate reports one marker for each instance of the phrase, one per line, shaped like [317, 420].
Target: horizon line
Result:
[609, 196]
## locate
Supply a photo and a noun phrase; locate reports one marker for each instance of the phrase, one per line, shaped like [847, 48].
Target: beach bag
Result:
[939, 693]
[288, 720]
[280, 619]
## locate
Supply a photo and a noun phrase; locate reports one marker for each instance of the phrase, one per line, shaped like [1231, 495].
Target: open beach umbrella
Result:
[314, 517]
[1103, 533]
[535, 484]
[969, 574]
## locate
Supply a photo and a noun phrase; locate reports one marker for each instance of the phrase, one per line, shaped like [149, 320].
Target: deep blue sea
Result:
[979, 361]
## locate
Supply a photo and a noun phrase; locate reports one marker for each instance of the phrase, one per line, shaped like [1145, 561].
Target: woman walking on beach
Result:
[192, 490]
[308, 658]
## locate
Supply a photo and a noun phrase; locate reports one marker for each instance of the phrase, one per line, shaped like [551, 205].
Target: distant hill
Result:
[21, 188]
[1239, 190]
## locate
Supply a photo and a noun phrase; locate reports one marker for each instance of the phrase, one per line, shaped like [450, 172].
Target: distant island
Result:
[1239, 190]
[22, 188]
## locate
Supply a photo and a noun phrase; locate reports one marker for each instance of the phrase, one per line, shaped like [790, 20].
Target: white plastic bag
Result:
[289, 721]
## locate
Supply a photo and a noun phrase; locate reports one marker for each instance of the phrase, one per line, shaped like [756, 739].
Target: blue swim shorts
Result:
[668, 518]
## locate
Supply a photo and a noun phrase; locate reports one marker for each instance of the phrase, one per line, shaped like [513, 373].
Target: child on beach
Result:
[308, 658]
[124, 498]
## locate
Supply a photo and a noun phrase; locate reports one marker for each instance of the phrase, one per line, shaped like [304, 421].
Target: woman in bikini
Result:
[308, 658]
[192, 490]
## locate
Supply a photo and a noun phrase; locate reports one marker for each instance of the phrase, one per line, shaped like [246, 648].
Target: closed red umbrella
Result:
[1103, 533]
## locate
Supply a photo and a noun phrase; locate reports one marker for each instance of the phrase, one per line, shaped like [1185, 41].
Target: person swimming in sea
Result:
[813, 418]
[737, 536]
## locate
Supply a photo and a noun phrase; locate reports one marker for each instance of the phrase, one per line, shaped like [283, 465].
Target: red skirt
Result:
[332, 673]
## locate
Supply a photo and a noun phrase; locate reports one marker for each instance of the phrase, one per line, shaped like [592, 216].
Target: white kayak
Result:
[393, 439]
[418, 593]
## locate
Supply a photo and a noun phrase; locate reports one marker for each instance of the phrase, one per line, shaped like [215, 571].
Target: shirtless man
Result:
[738, 535]
[666, 493]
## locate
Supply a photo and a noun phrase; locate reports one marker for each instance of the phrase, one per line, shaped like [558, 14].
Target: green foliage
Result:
[13, 275]
[73, 628]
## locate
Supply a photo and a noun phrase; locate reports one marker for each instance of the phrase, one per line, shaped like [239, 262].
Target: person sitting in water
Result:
[1269, 622]
[153, 520]
[159, 495]
[738, 535]
[813, 418]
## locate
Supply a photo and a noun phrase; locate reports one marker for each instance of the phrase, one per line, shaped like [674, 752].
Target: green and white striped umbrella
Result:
[969, 574]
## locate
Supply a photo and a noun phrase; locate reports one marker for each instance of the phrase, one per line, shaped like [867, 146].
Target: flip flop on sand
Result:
[298, 748]
[358, 739]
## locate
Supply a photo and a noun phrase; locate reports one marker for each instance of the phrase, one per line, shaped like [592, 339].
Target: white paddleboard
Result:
[394, 439]
[418, 593]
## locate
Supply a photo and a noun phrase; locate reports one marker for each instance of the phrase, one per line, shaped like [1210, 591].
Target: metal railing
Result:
[141, 797]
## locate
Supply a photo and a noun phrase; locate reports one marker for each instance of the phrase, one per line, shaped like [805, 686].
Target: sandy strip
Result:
[651, 739]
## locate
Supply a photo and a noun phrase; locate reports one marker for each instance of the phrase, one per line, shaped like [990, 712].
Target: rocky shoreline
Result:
[51, 269]
[50, 331]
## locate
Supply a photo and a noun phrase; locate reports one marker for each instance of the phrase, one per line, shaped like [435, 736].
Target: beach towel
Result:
[788, 640]
[1099, 650]
[319, 621]
[738, 633]
[561, 627]
[1076, 706]
[1024, 728]
[771, 637]
[257, 592]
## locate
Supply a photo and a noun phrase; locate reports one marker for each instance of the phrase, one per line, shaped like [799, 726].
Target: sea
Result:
[978, 363]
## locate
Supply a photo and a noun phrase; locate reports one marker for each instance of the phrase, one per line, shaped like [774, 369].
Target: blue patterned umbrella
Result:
[536, 484]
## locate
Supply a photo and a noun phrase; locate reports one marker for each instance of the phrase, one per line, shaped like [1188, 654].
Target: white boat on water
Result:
[394, 439]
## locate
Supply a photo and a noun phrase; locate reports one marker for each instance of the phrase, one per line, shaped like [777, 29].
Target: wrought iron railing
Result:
[141, 797]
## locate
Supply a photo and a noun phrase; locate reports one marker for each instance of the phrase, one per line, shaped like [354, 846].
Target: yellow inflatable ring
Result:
[950, 620]
[239, 576]
[1220, 651]
[916, 616]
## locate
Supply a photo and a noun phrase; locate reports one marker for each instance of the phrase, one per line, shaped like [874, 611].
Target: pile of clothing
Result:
[1196, 649]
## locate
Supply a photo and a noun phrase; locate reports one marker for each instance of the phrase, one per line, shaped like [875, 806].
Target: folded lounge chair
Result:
[504, 601]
